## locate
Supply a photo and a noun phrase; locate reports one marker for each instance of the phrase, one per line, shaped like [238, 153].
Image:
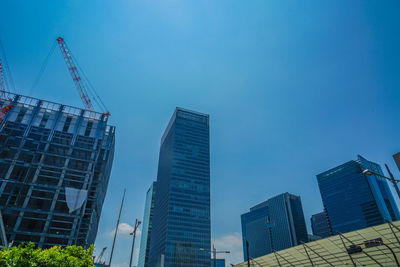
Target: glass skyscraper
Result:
[181, 222]
[55, 164]
[273, 225]
[147, 226]
[353, 200]
[320, 225]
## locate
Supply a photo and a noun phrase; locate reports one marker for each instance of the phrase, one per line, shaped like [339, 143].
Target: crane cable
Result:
[42, 68]
[93, 92]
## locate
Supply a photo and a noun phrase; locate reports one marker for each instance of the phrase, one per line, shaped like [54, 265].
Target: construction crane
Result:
[73, 70]
[98, 261]
[74, 73]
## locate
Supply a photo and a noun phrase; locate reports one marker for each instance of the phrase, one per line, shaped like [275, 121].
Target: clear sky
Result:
[293, 88]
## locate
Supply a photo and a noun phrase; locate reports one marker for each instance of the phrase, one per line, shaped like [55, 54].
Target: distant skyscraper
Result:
[181, 222]
[273, 225]
[397, 159]
[320, 225]
[353, 200]
[55, 164]
[147, 226]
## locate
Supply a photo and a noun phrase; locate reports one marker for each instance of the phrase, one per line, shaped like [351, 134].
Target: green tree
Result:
[26, 255]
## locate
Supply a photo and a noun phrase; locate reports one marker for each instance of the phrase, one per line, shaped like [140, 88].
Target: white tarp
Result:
[75, 198]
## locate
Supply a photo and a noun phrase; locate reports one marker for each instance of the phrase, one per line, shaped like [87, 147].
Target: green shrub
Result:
[26, 255]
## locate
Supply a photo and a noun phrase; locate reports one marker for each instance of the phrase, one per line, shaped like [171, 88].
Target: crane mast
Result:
[98, 261]
[74, 73]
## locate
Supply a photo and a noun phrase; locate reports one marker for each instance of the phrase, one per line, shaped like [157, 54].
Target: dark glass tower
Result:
[55, 164]
[147, 226]
[353, 200]
[320, 225]
[181, 222]
[273, 225]
[396, 158]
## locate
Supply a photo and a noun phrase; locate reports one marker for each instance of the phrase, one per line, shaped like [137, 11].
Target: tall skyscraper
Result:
[320, 225]
[147, 226]
[353, 200]
[55, 164]
[181, 222]
[396, 158]
[273, 225]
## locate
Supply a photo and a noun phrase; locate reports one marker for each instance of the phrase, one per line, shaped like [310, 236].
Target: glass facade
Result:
[181, 222]
[147, 226]
[256, 232]
[396, 158]
[273, 225]
[218, 263]
[320, 225]
[55, 164]
[353, 200]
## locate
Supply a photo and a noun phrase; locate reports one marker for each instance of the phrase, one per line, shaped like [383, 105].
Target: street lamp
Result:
[214, 251]
[394, 181]
[137, 223]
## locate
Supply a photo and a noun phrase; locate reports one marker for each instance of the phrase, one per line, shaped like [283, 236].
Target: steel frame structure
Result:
[45, 147]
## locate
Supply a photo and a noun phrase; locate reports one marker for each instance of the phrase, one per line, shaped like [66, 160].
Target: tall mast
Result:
[116, 229]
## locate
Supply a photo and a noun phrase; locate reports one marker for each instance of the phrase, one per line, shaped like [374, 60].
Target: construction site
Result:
[55, 165]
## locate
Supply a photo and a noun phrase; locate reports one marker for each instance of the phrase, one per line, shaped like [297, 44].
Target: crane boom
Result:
[74, 73]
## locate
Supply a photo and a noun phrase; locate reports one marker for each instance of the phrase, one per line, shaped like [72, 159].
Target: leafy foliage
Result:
[26, 255]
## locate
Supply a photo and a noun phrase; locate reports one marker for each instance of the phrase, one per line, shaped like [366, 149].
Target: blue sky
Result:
[293, 88]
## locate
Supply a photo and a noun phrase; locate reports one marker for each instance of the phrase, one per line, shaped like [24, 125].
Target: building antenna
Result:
[116, 229]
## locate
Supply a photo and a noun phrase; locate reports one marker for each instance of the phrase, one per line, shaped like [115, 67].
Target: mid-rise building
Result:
[353, 200]
[55, 164]
[320, 225]
[273, 225]
[147, 226]
[181, 235]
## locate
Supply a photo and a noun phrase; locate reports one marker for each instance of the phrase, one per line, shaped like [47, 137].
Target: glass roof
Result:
[332, 251]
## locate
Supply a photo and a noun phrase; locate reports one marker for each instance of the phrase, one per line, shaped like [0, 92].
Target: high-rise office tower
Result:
[396, 158]
[320, 225]
[273, 225]
[147, 226]
[353, 200]
[181, 224]
[55, 164]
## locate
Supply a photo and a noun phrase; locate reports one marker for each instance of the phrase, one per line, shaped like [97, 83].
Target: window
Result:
[88, 128]
[21, 115]
[67, 124]
[45, 118]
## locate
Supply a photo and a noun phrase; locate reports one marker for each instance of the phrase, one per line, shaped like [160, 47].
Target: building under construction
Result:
[55, 164]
